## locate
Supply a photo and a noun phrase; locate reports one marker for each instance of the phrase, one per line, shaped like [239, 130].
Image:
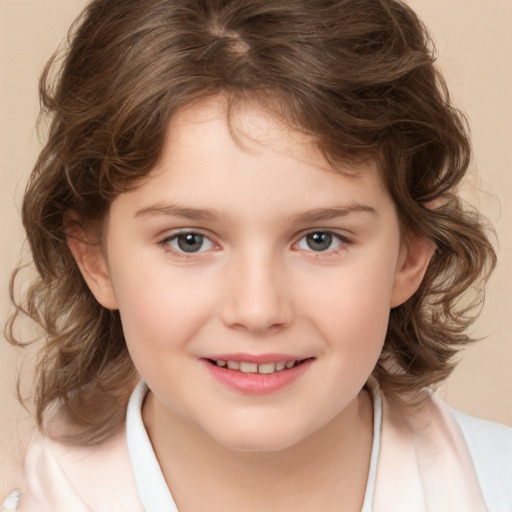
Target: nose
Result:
[256, 296]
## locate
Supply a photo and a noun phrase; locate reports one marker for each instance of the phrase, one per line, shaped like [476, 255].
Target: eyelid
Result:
[343, 241]
[166, 240]
[174, 232]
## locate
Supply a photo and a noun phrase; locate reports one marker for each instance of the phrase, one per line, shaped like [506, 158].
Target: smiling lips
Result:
[263, 368]
[257, 375]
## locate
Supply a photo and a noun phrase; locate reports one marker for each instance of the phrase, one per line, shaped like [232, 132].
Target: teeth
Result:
[248, 367]
[233, 365]
[265, 368]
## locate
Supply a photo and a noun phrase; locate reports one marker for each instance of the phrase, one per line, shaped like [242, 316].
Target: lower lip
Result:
[257, 383]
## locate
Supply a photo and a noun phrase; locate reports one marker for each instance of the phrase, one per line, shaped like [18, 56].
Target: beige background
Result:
[474, 41]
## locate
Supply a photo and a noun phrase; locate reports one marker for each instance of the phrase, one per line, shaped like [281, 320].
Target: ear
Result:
[413, 261]
[91, 261]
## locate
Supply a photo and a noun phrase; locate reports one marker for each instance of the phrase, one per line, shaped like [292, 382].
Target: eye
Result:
[320, 241]
[189, 242]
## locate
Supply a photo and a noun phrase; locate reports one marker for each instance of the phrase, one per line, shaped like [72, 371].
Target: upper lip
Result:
[256, 358]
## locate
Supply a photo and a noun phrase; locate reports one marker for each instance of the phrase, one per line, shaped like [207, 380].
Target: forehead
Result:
[248, 124]
[254, 128]
[245, 160]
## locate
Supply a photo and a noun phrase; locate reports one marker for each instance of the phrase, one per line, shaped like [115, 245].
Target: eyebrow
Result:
[314, 215]
[321, 214]
[170, 210]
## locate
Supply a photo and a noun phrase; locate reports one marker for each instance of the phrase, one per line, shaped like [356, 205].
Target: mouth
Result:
[262, 368]
[257, 375]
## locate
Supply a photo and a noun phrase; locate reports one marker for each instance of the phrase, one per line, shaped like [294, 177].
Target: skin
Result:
[255, 286]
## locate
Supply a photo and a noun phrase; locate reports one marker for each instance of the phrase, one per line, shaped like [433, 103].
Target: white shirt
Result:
[429, 460]
[153, 491]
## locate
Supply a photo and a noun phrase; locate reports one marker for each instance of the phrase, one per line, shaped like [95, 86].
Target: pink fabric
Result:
[424, 465]
[424, 462]
[62, 478]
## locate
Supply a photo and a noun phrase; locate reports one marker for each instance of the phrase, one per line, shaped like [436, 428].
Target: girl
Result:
[250, 254]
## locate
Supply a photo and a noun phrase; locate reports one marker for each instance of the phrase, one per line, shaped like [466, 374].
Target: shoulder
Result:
[490, 445]
[447, 460]
[487, 437]
[61, 477]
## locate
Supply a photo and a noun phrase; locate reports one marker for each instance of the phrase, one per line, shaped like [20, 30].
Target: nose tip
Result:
[257, 302]
[255, 319]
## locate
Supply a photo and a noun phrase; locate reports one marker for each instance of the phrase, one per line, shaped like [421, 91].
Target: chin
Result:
[253, 439]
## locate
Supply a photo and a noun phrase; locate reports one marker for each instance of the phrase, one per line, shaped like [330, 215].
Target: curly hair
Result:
[358, 75]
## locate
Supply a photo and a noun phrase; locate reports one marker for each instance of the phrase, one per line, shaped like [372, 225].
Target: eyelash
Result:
[343, 241]
[341, 245]
[166, 243]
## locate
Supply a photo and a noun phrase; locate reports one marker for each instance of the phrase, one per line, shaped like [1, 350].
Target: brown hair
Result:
[359, 75]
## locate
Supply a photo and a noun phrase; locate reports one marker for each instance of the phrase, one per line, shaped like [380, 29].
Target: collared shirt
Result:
[426, 459]
[153, 491]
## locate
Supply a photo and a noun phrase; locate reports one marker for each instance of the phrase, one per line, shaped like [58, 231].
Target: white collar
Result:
[151, 486]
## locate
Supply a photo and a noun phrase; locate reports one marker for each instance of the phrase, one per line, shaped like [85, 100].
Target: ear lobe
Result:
[412, 265]
[91, 261]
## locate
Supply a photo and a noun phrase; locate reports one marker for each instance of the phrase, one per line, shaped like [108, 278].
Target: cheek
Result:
[352, 308]
[161, 307]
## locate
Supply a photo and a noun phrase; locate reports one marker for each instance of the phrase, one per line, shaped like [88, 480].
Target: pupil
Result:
[190, 242]
[319, 241]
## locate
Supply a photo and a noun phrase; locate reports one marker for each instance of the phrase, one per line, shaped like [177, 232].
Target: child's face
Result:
[255, 253]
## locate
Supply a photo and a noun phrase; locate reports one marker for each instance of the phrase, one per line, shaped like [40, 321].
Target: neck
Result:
[325, 471]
